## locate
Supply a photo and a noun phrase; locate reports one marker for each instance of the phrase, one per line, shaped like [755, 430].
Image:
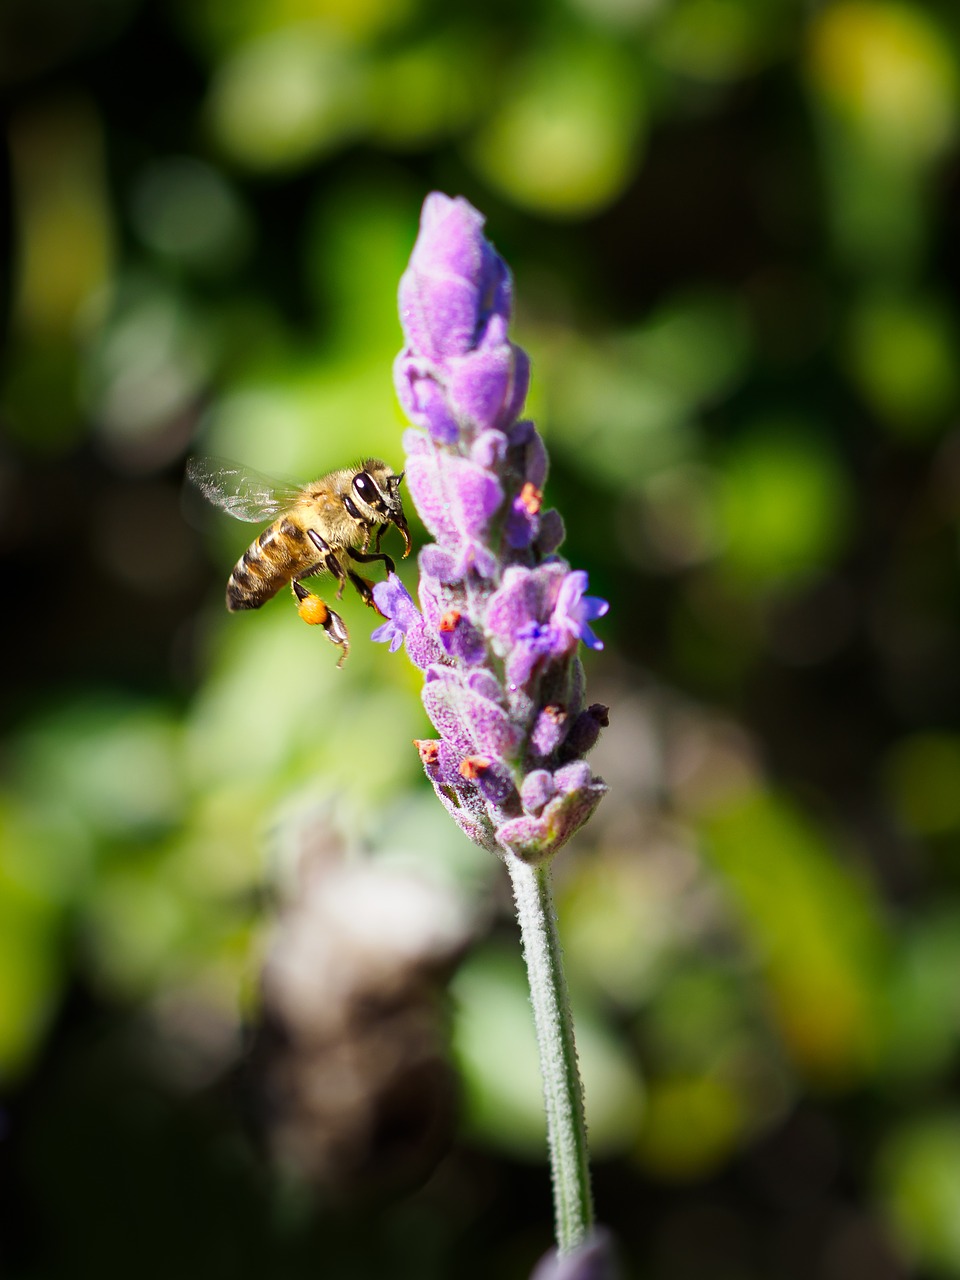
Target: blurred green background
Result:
[733, 228]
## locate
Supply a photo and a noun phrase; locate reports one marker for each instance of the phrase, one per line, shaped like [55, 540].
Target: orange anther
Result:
[429, 750]
[531, 498]
[473, 767]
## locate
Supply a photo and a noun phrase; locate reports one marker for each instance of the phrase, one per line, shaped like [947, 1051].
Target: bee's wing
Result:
[242, 492]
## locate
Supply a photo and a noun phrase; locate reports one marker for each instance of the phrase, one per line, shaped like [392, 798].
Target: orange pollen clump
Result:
[428, 749]
[449, 620]
[531, 498]
[312, 609]
[555, 712]
[474, 767]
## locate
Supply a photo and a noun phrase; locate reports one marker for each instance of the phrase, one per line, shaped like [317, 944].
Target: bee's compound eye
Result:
[365, 488]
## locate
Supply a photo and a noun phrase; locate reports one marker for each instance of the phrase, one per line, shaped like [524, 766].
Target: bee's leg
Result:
[367, 557]
[329, 560]
[364, 590]
[319, 614]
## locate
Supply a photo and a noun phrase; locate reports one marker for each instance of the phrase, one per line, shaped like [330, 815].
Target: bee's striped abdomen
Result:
[268, 564]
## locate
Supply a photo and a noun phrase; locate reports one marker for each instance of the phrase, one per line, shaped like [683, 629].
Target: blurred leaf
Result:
[815, 929]
[877, 210]
[783, 503]
[38, 396]
[888, 70]
[885, 89]
[496, 1047]
[921, 1026]
[697, 343]
[222, 26]
[113, 765]
[678, 519]
[633, 395]
[566, 139]
[146, 365]
[715, 1077]
[357, 245]
[64, 216]
[923, 773]
[691, 1125]
[427, 92]
[151, 924]
[263, 721]
[720, 40]
[698, 1019]
[902, 354]
[187, 211]
[289, 97]
[64, 258]
[919, 1170]
[32, 924]
[618, 923]
[304, 409]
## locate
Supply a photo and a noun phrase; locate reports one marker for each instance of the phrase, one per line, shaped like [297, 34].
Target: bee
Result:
[315, 528]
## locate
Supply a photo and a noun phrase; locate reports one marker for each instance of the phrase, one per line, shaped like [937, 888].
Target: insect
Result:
[315, 528]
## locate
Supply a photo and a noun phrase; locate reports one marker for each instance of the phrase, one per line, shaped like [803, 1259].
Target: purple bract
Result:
[501, 616]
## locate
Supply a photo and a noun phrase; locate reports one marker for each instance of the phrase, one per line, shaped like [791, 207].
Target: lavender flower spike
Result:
[501, 615]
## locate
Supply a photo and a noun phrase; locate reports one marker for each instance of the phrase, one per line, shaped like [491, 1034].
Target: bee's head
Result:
[376, 491]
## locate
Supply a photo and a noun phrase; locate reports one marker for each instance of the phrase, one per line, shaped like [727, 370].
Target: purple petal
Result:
[520, 385]
[450, 774]
[432, 603]
[489, 449]
[491, 777]
[549, 730]
[552, 532]
[414, 442]
[472, 724]
[526, 596]
[536, 463]
[537, 789]
[536, 839]
[595, 1259]
[424, 399]
[454, 283]
[388, 632]
[457, 796]
[485, 684]
[488, 387]
[574, 610]
[461, 639]
[394, 602]
[437, 564]
[573, 777]
[525, 837]
[534, 645]
[455, 497]
[474, 557]
[422, 647]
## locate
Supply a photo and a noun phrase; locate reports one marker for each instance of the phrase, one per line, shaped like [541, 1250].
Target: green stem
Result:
[563, 1092]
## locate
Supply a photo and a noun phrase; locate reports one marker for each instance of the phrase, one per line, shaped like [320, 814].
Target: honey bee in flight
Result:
[314, 529]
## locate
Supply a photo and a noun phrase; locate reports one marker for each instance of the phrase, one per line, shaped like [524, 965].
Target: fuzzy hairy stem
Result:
[563, 1091]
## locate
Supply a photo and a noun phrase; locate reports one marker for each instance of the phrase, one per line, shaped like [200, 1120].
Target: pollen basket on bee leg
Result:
[313, 610]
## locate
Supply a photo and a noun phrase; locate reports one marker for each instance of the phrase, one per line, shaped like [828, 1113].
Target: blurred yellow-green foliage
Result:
[733, 228]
